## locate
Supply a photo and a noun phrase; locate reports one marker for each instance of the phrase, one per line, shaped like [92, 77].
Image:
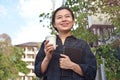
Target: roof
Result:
[29, 44]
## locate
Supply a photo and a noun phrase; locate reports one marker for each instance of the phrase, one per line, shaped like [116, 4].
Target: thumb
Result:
[63, 55]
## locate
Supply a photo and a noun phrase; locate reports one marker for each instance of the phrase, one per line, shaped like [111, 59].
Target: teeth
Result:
[65, 24]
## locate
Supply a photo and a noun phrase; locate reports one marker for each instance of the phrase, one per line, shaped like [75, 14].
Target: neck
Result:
[63, 36]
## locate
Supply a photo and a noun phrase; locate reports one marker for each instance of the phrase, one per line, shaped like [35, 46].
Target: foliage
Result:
[5, 38]
[7, 68]
[10, 60]
[16, 58]
[112, 63]
[84, 8]
[80, 32]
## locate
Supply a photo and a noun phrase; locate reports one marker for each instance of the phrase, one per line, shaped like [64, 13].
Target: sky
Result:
[20, 19]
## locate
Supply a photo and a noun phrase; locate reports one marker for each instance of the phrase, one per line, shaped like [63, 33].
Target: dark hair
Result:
[60, 8]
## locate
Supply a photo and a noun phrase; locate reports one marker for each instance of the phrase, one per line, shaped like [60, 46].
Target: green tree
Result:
[112, 63]
[83, 8]
[10, 59]
[7, 68]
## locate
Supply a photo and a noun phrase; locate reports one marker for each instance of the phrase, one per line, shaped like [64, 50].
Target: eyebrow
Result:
[65, 15]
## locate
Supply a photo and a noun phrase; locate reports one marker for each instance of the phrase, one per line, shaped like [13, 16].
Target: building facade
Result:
[102, 26]
[30, 50]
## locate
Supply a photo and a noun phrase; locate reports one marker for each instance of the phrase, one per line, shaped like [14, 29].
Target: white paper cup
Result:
[52, 40]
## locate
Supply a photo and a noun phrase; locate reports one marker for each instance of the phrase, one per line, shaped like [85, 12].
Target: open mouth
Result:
[64, 24]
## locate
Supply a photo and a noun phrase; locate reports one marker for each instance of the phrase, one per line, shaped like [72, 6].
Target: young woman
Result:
[72, 59]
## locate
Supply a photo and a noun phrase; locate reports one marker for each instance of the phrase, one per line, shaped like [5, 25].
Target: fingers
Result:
[64, 61]
[46, 42]
[49, 48]
[63, 56]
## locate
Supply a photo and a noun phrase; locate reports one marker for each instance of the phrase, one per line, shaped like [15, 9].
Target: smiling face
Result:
[63, 20]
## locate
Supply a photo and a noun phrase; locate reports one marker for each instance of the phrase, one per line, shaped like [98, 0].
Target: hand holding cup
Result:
[52, 40]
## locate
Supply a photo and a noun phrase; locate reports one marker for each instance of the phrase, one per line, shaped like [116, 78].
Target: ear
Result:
[73, 22]
[54, 25]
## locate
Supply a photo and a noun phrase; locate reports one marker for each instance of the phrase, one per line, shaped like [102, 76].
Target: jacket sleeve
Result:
[89, 64]
[39, 58]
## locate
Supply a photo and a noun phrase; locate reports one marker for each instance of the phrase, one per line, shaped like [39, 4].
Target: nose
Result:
[63, 18]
